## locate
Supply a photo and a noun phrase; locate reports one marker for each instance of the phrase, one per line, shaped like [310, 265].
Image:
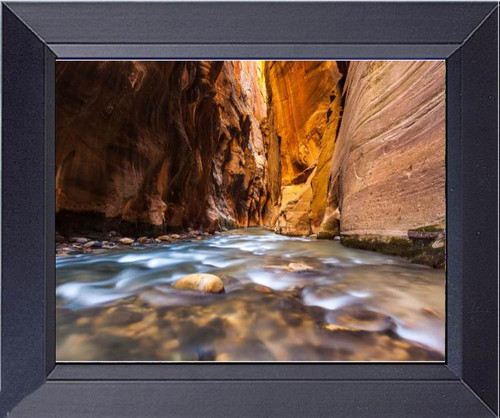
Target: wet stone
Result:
[262, 289]
[207, 283]
[126, 241]
[361, 319]
[120, 316]
[291, 319]
[163, 238]
[79, 240]
[124, 305]
[93, 244]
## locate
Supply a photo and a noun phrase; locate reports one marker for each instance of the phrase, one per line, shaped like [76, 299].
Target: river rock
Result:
[142, 240]
[163, 238]
[126, 241]
[333, 327]
[79, 240]
[299, 267]
[438, 243]
[208, 283]
[290, 267]
[120, 316]
[262, 289]
[63, 250]
[358, 318]
[93, 244]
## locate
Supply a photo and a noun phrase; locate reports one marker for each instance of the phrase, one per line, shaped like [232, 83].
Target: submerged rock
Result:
[120, 316]
[359, 318]
[262, 289]
[299, 267]
[208, 283]
[291, 267]
[332, 327]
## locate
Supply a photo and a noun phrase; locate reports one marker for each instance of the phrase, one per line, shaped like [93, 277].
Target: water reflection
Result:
[331, 304]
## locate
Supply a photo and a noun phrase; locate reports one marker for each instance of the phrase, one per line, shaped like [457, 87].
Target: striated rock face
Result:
[159, 145]
[388, 168]
[240, 160]
[315, 147]
[305, 102]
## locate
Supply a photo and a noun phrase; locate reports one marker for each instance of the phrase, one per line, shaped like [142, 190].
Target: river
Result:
[349, 305]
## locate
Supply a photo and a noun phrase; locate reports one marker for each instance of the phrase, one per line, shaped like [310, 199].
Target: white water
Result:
[380, 299]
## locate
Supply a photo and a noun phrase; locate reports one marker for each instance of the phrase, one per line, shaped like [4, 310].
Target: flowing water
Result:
[351, 305]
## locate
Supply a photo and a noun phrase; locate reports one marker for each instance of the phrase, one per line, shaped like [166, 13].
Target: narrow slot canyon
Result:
[273, 178]
[155, 147]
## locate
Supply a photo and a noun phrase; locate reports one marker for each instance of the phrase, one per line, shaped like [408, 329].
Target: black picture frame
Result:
[36, 34]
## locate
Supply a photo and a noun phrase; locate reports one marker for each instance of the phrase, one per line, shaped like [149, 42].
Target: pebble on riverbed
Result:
[291, 267]
[93, 244]
[332, 327]
[82, 245]
[126, 241]
[262, 289]
[163, 238]
[78, 240]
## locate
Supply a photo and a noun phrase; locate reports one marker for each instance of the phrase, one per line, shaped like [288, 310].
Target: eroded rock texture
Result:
[309, 147]
[388, 168]
[305, 101]
[159, 145]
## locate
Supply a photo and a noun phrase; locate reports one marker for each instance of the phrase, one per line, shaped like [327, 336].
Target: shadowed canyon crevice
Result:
[326, 148]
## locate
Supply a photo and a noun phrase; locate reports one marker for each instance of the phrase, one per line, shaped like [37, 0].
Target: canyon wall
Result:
[155, 146]
[304, 107]
[314, 147]
[388, 169]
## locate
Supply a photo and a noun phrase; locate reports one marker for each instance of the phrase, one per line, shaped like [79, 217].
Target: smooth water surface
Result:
[352, 305]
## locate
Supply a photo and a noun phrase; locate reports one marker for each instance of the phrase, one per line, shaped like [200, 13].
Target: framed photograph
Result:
[249, 209]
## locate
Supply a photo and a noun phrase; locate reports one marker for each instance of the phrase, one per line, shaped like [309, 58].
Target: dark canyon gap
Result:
[326, 147]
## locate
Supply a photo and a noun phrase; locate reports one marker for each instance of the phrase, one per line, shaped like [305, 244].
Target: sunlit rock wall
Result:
[304, 106]
[304, 147]
[388, 168]
[159, 145]
[240, 159]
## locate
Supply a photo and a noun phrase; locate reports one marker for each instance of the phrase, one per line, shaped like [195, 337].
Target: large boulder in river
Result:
[208, 283]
